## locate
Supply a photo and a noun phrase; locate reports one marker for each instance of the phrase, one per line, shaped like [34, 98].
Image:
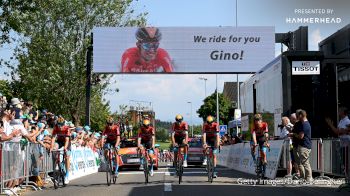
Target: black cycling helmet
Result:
[148, 34]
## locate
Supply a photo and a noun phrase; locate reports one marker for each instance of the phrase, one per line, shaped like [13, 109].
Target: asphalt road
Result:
[164, 183]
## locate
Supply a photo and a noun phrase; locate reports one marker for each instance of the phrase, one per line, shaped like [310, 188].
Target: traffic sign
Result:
[223, 130]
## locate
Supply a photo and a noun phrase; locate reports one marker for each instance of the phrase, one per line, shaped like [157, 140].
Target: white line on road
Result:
[167, 187]
[166, 173]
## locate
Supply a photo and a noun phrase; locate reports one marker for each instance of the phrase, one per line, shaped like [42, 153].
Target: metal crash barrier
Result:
[19, 162]
[327, 157]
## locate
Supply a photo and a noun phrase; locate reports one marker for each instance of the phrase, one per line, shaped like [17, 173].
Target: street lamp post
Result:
[205, 85]
[191, 119]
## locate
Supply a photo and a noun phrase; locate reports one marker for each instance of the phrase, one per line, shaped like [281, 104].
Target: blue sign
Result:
[223, 130]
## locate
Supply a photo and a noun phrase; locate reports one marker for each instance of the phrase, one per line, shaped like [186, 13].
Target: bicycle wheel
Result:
[114, 171]
[145, 169]
[210, 169]
[180, 169]
[108, 172]
[62, 169]
[55, 178]
[259, 169]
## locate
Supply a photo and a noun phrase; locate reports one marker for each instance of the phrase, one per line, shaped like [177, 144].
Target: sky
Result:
[170, 94]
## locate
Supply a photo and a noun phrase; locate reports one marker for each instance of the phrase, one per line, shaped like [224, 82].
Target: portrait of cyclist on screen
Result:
[146, 56]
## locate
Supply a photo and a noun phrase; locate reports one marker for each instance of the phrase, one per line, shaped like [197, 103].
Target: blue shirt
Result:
[306, 128]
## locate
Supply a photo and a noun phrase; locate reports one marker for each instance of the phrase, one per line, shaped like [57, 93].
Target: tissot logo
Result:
[305, 68]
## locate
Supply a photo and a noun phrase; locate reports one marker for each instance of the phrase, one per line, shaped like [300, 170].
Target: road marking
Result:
[167, 187]
[166, 173]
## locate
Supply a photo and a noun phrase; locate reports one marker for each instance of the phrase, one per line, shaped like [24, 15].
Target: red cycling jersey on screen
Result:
[157, 60]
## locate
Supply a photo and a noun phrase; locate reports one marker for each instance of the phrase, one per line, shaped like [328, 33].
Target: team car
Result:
[195, 152]
[129, 157]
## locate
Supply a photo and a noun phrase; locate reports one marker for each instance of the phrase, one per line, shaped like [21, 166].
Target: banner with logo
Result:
[238, 157]
[83, 162]
[182, 49]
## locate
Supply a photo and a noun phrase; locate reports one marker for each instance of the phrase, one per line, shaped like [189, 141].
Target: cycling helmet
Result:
[178, 118]
[210, 119]
[110, 120]
[257, 117]
[60, 120]
[148, 34]
[146, 122]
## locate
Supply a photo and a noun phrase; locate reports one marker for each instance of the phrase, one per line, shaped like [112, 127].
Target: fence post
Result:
[2, 169]
[320, 160]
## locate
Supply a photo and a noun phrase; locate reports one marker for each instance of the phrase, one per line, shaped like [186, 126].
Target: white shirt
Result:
[343, 123]
[8, 128]
[284, 132]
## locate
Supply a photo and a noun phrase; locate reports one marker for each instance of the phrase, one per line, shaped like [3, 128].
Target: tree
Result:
[6, 89]
[197, 130]
[52, 52]
[162, 135]
[8, 20]
[209, 108]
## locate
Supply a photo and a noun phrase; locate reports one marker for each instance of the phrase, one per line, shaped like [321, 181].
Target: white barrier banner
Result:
[238, 157]
[83, 162]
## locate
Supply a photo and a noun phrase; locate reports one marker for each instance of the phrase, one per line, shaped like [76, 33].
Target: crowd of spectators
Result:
[21, 124]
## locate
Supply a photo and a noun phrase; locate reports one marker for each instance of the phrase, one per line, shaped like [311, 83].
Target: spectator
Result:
[303, 135]
[3, 102]
[237, 138]
[3, 136]
[286, 128]
[32, 113]
[342, 130]
[293, 147]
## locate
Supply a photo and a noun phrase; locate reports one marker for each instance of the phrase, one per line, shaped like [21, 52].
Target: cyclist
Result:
[146, 140]
[179, 136]
[111, 134]
[211, 137]
[260, 137]
[147, 56]
[61, 136]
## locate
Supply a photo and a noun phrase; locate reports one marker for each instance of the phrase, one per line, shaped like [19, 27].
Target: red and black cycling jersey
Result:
[61, 132]
[211, 130]
[259, 132]
[111, 133]
[179, 129]
[146, 133]
[132, 62]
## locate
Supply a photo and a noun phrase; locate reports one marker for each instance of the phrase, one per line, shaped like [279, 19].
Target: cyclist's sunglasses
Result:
[150, 45]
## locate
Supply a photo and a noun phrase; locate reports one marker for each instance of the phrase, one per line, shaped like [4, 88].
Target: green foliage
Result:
[8, 20]
[209, 108]
[51, 53]
[197, 130]
[6, 89]
[164, 125]
[162, 134]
